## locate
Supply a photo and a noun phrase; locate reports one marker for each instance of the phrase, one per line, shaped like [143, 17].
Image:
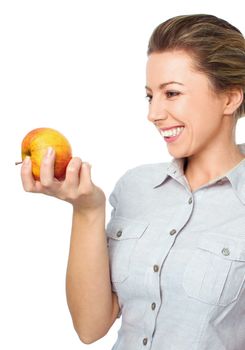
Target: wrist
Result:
[89, 214]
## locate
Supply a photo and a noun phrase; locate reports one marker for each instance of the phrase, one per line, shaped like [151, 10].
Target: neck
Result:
[202, 168]
[217, 156]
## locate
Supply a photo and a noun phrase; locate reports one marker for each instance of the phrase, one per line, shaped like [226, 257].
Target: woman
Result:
[172, 258]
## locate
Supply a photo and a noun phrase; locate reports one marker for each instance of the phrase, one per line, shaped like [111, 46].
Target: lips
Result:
[172, 127]
[173, 134]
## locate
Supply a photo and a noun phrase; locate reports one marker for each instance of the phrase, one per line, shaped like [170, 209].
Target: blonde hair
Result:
[217, 47]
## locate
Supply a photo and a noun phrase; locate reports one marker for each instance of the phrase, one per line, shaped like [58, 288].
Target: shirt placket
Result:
[153, 279]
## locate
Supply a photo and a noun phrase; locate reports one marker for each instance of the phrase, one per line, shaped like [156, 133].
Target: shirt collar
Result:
[236, 176]
[174, 168]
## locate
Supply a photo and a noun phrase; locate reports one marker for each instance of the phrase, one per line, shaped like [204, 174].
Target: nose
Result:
[156, 111]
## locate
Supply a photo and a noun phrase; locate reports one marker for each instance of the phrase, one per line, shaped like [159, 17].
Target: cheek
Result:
[185, 106]
[206, 105]
[197, 111]
[201, 131]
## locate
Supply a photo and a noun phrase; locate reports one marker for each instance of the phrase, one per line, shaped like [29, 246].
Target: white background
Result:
[79, 67]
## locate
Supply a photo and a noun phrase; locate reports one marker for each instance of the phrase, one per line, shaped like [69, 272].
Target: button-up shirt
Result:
[177, 259]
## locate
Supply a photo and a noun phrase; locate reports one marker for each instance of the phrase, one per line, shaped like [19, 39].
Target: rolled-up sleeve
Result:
[114, 200]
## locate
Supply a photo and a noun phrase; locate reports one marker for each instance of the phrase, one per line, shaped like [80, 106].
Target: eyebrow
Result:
[161, 86]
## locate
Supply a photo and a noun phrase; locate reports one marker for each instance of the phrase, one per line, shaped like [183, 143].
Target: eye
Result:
[148, 97]
[170, 94]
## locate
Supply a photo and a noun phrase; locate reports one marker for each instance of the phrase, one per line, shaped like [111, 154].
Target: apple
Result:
[35, 145]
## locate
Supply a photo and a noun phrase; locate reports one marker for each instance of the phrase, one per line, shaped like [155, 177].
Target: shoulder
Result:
[150, 174]
[137, 183]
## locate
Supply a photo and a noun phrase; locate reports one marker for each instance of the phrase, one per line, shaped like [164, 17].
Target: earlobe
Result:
[233, 101]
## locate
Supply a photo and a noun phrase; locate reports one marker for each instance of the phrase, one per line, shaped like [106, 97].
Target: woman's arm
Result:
[92, 305]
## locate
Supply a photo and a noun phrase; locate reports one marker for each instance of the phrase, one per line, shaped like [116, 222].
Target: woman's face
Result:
[180, 96]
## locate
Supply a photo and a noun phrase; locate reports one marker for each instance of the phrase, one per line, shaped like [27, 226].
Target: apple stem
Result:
[17, 163]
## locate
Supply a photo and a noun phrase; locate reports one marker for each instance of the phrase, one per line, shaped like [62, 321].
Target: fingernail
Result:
[27, 160]
[49, 152]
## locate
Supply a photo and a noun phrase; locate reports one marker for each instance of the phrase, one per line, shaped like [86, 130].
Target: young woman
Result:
[171, 260]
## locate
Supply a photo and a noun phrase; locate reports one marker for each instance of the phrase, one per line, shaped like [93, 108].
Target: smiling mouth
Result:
[172, 132]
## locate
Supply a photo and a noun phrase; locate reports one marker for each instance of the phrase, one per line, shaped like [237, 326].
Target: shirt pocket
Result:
[122, 237]
[216, 272]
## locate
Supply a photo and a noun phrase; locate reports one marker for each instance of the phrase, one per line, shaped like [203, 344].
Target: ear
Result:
[234, 98]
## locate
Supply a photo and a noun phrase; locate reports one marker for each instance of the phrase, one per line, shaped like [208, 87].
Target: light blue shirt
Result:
[177, 259]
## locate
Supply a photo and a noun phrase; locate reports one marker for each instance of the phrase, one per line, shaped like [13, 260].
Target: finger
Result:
[27, 179]
[85, 178]
[72, 178]
[47, 168]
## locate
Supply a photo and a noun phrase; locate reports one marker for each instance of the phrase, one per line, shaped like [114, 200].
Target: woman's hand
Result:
[77, 188]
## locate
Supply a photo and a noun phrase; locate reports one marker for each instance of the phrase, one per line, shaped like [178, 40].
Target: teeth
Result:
[172, 132]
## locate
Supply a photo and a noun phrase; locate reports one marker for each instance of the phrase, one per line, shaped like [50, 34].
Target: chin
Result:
[178, 154]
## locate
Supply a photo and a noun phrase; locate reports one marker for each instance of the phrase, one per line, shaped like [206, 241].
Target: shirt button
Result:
[153, 306]
[145, 340]
[119, 233]
[225, 251]
[190, 200]
[156, 268]
[172, 232]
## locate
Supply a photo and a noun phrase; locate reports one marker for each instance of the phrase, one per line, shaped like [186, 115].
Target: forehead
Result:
[177, 55]
[172, 66]
[169, 61]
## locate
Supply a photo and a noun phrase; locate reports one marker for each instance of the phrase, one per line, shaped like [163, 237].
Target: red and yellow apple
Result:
[35, 145]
